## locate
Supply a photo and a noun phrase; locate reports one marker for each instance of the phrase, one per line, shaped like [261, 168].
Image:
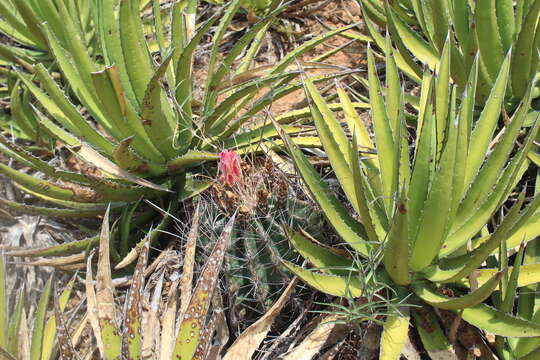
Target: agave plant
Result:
[487, 27]
[25, 44]
[426, 201]
[135, 127]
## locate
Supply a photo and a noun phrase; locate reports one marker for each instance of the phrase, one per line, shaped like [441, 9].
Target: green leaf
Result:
[154, 117]
[524, 61]
[489, 38]
[134, 47]
[394, 336]
[499, 323]
[39, 322]
[430, 295]
[397, 249]
[434, 224]
[345, 286]
[334, 140]
[348, 228]
[322, 258]
[386, 148]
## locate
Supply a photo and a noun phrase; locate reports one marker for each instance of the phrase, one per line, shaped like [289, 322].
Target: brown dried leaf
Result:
[131, 337]
[314, 342]
[168, 323]
[93, 157]
[151, 337]
[92, 306]
[106, 309]
[248, 342]
[186, 281]
[58, 261]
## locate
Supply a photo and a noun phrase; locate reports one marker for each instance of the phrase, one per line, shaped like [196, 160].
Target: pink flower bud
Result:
[229, 168]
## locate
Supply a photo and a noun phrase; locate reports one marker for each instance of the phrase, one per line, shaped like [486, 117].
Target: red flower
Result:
[229, 168]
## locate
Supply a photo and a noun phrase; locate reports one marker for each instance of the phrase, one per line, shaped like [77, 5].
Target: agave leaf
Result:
[33, 162]
[151, 333]
[107, 25]
[55, 323]
[512, 283]
[31, 21]
[489, 39]
[513, 172]
[345, 286]
[524, 62]
[479, 255]
[15, 324]
[193, 320]
[82, 86]
[485, 126]
[57, 250]
[432, 336]
[184, 84]
[17, 28]
[105, 306]
[442, 98]
[275, 93]
[218, 119]
[334, 141]
[247, 343]
[26, 122]
[226, 64]
[168, 323]
[154, 117]
[403, 59]
[424, 155]
[529, 274]
[369, 209]
[394, 335]
[40, 210]
[386, 147]
[345, 225]
[93, 157]
[419, 47]
[39, 322]
[61, 108]
[135, 52]
[190, 159]
[322, 258]
[430, 295]
[499, 323]
[129, 160]
[266, 131]
[433, 226]
[132, 337]
[226, 19]
[186, 281]
[92, 310]
[492, 168]
[397, 248]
